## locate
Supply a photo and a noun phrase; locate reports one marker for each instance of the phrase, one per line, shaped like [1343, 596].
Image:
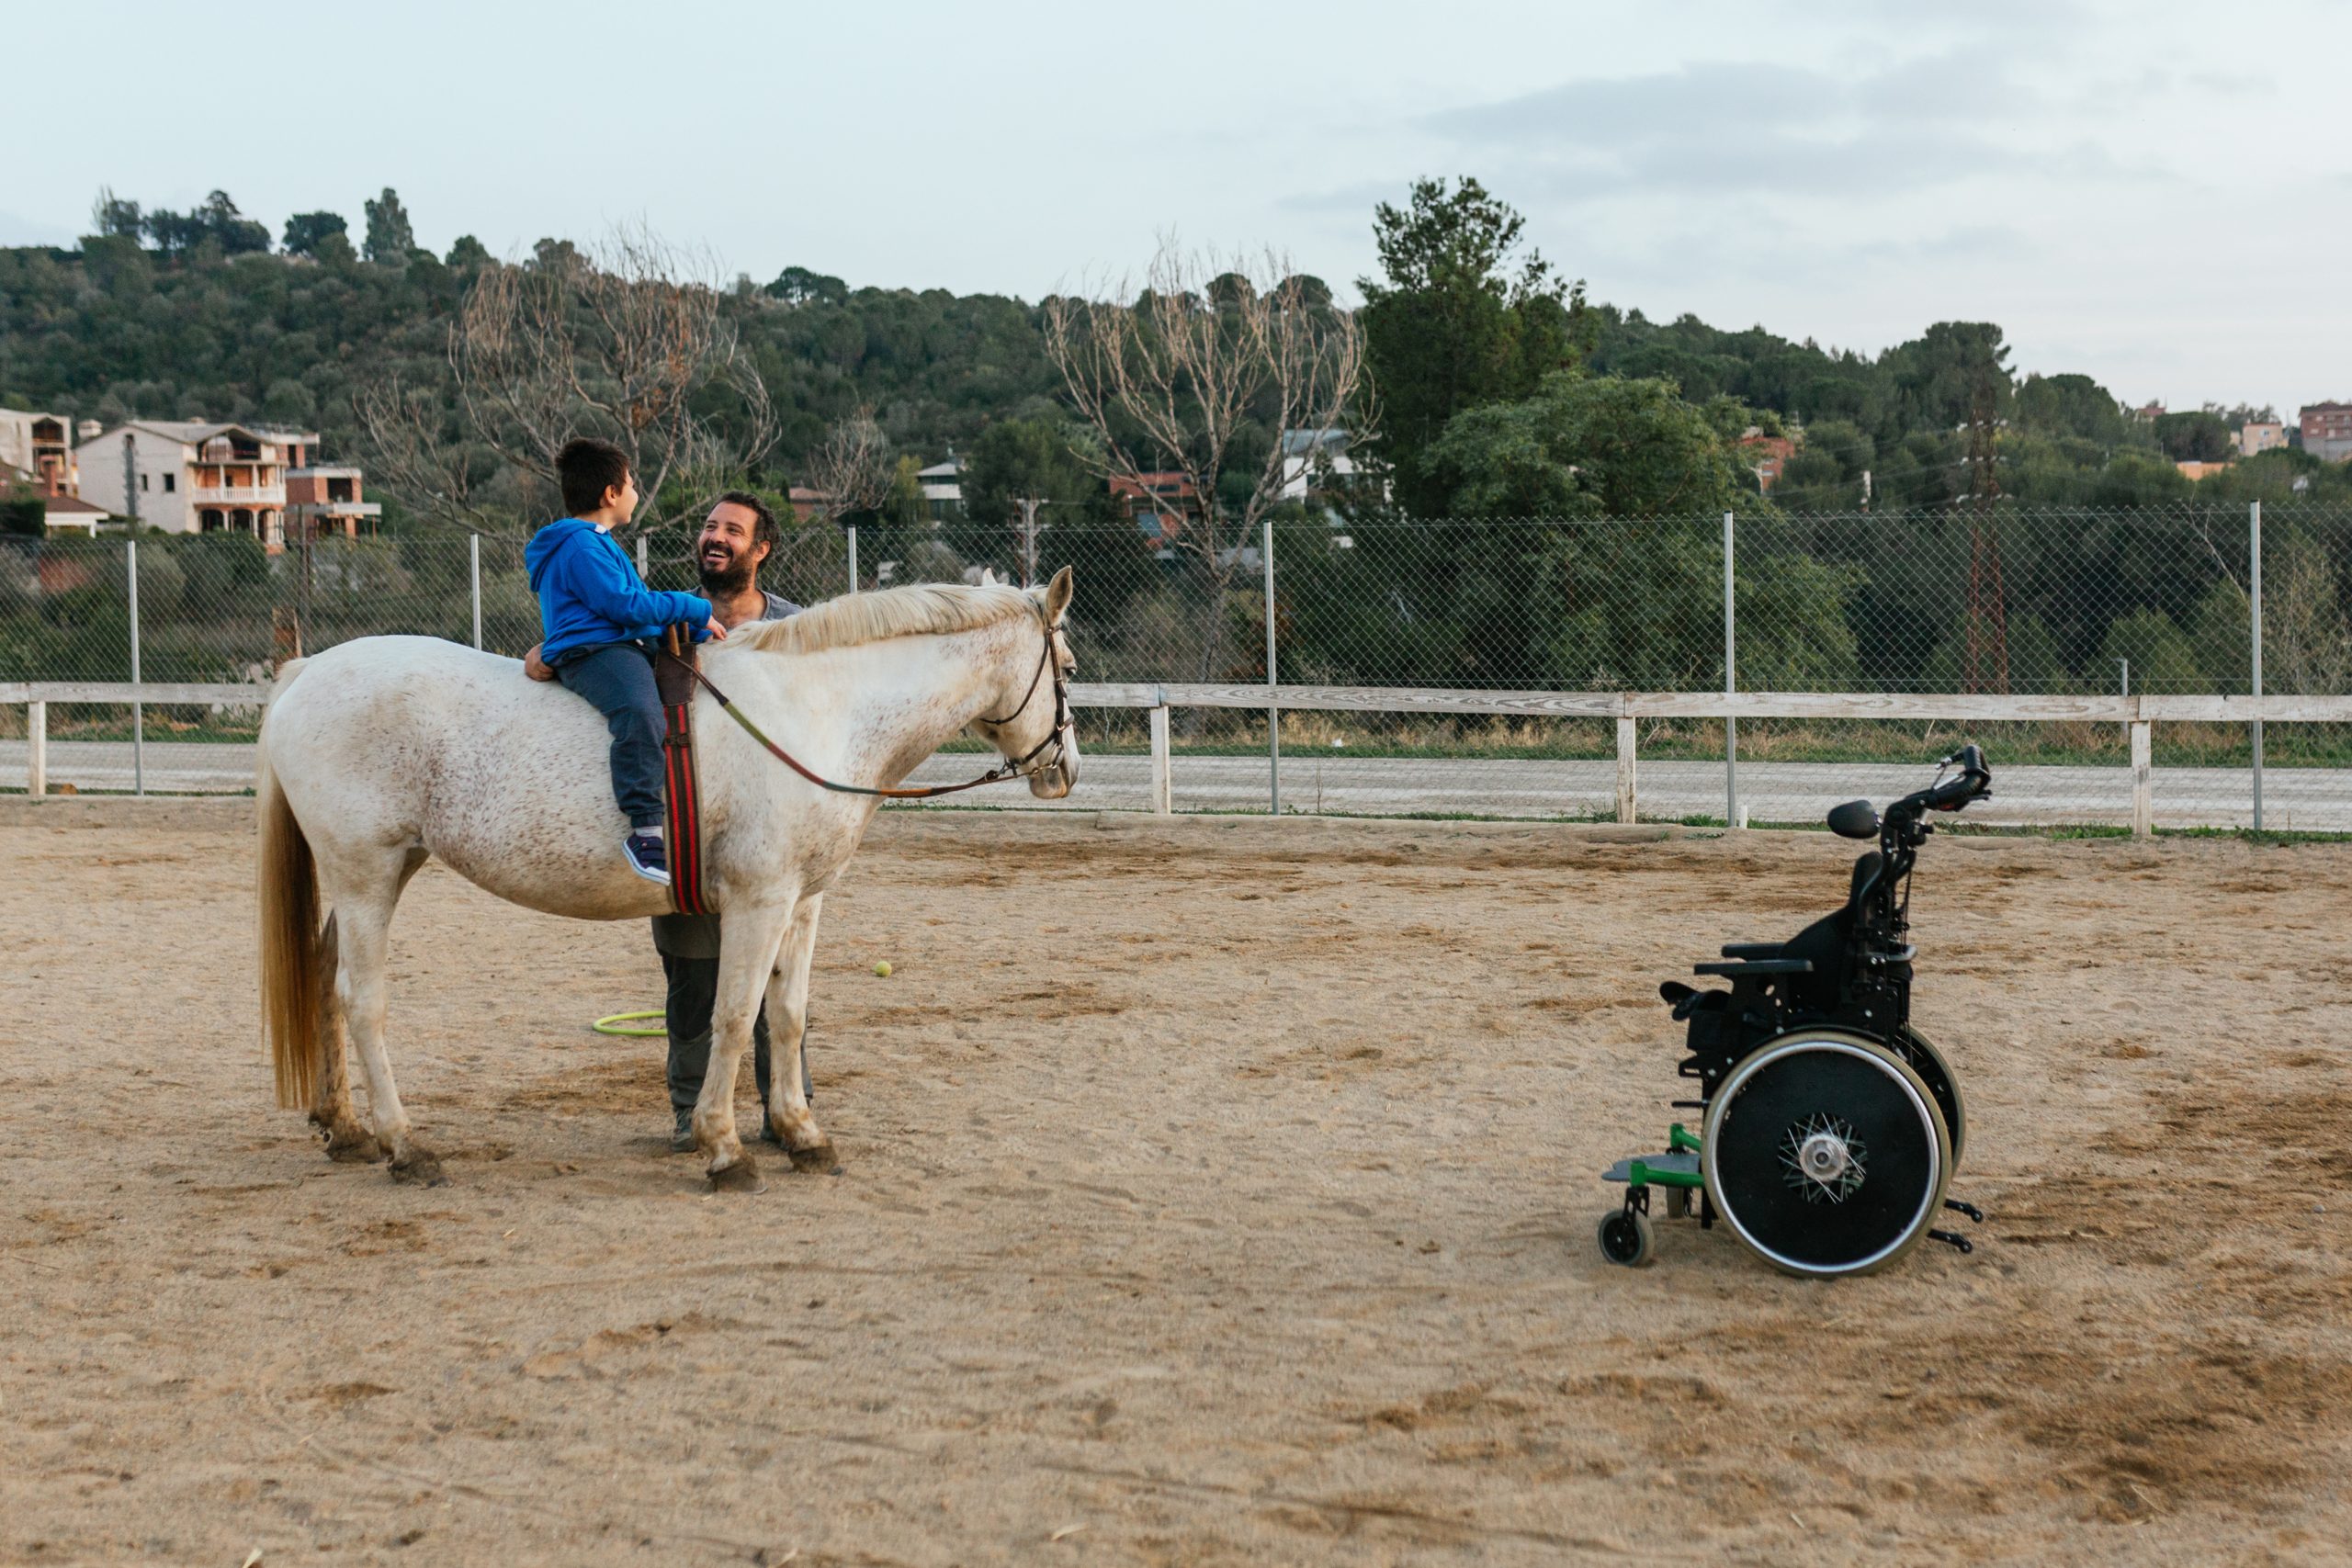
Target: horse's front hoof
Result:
[418, 1168]
[819, 1158]
[744, 1175]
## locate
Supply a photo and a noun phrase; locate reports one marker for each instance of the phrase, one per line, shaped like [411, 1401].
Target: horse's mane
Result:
[911, 611]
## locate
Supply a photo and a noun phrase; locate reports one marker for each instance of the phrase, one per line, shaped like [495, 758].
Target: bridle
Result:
[1019, 766]
[1027, 765]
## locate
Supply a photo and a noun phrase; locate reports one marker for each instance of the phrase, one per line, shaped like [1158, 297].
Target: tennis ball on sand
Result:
[883, 969]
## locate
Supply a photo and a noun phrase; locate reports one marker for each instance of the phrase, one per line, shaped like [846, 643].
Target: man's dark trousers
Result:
[618, 677]
[694, 989]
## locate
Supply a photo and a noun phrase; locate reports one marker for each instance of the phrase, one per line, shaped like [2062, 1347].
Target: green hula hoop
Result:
[611, 1023]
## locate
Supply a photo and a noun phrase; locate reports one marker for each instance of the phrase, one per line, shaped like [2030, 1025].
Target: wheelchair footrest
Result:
[1677, 1169]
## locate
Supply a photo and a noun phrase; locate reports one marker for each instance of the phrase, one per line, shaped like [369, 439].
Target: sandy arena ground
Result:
[1215, 1192]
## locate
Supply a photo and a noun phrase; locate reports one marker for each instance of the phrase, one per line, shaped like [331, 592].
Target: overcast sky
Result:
[2159, 195]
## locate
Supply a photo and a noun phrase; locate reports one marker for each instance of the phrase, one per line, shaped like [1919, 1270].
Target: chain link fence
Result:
[1993, 601]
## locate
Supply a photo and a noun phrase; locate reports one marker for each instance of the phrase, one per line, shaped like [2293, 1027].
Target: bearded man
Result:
[736, 538]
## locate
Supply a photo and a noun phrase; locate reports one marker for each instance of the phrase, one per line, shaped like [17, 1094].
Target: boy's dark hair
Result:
[764, 530]
[586, 468]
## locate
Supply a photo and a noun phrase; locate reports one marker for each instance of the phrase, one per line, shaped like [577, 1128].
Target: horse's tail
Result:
[296, 953]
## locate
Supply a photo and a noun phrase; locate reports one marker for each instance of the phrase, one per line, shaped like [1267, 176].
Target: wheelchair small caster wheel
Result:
[1625, 1238]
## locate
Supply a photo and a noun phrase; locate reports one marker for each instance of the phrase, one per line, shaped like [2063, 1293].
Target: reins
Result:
[1003, 773]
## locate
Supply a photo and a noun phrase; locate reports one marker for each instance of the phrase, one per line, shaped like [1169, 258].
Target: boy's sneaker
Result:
[647, 856]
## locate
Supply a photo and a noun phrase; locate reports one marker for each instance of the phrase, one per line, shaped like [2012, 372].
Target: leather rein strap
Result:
[1010, 769]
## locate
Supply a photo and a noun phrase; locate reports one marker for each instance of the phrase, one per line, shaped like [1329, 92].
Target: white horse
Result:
[379, 752]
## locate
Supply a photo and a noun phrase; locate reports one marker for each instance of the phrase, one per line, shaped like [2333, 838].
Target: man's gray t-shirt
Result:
[697, 936]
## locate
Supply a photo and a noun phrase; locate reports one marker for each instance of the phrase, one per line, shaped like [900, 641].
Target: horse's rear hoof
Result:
[418, 1168]
[353, 1148]
[744, 1175]
[819, 1158]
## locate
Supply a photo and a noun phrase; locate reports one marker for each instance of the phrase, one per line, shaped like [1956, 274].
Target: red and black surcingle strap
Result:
[674, 680]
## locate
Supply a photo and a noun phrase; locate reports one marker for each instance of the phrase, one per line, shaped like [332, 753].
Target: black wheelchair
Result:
[1831, 1127]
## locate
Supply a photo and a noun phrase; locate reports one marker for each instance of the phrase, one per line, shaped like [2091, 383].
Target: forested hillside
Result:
[173, 315]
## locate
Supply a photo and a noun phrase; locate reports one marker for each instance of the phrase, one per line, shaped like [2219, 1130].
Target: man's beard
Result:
[731, 578]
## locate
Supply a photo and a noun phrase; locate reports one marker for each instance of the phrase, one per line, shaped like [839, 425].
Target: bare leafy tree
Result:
[1166, 376]
[409, 456]
[854, 469]
[621, 344]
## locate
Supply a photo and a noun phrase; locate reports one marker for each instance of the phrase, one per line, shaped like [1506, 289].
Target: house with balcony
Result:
[190, 477]
[39, 446]
[206, 477]
[326, 499]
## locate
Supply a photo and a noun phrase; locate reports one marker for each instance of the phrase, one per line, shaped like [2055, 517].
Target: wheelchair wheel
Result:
[1826, 1153]
[1920, 1054]
[1625, 1238]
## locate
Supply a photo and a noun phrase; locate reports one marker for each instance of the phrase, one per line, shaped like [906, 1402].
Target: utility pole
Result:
[1984, 665]
[130, 480]
[1029, 505]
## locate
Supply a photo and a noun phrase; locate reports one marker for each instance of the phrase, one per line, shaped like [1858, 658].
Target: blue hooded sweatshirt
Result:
[589, 591]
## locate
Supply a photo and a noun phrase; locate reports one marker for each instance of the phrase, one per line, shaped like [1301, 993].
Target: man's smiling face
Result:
[729, 550]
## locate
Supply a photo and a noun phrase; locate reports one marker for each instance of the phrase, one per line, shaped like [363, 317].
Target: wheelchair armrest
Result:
[1756, 966]
[1753, 949]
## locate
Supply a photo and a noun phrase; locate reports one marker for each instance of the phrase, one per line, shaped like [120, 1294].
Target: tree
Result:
[412, 454]
[1467, 315]
[304, 231]
[1170, 383]
[2198, 438]
[389, 237]
[1025, 458]
[2071, 405]
[798, 285]
[631, 344]
[1021, 474]
[115, 219]
[1935, 377]
[216, 221]
[853, 471]
[1587, 447]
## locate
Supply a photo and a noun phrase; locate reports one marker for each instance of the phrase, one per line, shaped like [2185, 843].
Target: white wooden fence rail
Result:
[2140, 713]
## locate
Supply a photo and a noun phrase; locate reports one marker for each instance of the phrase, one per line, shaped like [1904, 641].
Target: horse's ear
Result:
[1057, 594]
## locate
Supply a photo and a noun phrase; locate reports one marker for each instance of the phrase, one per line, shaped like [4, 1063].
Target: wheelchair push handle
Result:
[1973, 782]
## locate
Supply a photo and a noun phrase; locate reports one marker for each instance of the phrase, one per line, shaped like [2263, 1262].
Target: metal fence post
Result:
[35, 749]
[2253, 597]
[1273, 713]
[642, 572]
[850, 529]
[473, 570]
[138, 709]
[1731, 685]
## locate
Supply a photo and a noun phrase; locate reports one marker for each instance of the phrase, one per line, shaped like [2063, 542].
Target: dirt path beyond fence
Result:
[1217, 1191]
